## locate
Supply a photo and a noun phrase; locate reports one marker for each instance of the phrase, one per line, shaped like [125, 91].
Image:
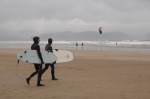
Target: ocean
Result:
[87, 45]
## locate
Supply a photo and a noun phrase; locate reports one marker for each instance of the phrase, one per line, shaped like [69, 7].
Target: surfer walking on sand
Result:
[49, 48]
[38, 67]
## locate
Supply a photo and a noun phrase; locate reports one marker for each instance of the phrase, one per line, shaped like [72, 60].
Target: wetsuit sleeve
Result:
[39, 52]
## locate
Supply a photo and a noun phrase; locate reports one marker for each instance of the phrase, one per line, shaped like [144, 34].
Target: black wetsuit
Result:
[49, 48]
[38, 67]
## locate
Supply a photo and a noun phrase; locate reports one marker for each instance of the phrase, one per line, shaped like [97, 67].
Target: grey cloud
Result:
[59, 15]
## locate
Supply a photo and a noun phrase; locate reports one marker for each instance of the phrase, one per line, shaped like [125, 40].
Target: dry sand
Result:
[91, 75]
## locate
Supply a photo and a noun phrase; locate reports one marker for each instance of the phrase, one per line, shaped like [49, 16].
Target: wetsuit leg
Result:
[46, 67]
[52, 71]
[40, 72]
[36, 66]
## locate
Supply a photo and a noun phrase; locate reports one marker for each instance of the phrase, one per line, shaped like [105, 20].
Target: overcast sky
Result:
[48, 16]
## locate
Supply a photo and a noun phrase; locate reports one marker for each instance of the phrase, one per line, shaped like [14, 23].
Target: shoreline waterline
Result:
[87, 45]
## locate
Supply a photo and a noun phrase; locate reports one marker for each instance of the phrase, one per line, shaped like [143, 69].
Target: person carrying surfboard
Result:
[38, 67]
[49, 48]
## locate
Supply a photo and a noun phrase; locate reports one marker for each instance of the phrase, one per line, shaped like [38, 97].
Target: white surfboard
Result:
[59, 56]
[63, 56]
[31, 56]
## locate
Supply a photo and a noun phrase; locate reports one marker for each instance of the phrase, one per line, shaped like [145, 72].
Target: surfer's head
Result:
[36, 39]
[50, 41]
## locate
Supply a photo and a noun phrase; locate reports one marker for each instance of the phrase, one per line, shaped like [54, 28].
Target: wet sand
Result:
[91, 75]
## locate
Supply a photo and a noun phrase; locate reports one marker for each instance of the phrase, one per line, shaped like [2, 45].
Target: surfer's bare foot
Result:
[28, 81]
[40, 85]
[54, 79]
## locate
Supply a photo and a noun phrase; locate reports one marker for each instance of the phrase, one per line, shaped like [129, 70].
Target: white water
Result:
[88, 45]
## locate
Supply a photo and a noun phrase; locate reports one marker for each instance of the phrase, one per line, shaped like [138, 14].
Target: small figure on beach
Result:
[76, 45]
[82, 45]
[38, 67]
[49, 48]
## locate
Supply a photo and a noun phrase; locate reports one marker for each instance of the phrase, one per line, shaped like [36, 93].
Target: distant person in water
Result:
[82, 45]
[76, 45]
[49, 48]
[38, 67]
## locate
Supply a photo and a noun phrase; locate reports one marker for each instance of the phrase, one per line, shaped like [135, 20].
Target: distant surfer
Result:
[82, 45]
[76, 45]
[49, 48]
[38, 67]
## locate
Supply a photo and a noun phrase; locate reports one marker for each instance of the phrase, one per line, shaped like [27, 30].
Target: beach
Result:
[93, 74]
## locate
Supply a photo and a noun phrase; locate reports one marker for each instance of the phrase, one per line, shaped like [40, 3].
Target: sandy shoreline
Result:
[91, 75]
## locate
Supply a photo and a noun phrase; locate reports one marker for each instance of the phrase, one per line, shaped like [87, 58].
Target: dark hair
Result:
[50, 41]
[35, 39]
